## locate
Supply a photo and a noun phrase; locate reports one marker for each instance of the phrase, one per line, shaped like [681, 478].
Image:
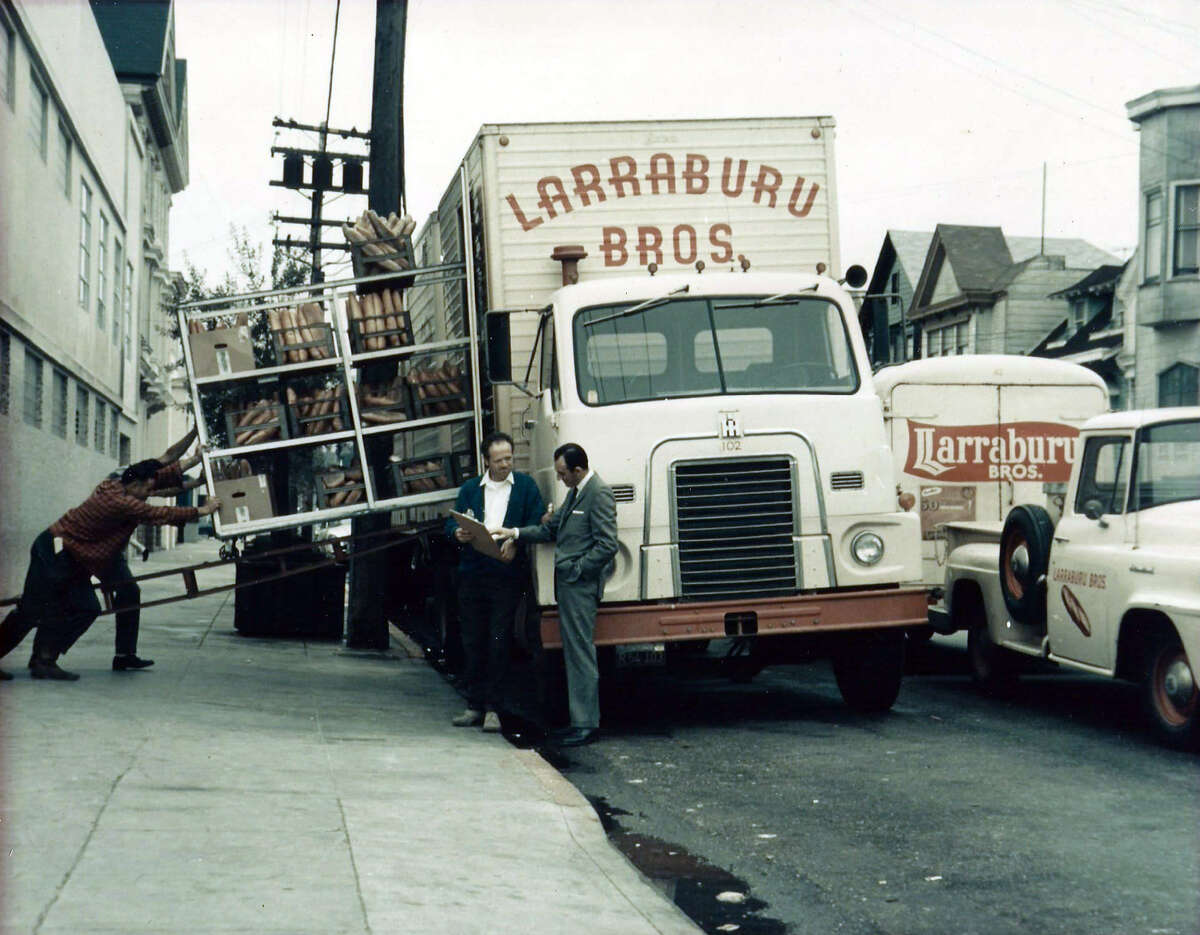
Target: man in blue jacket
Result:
[489, 590]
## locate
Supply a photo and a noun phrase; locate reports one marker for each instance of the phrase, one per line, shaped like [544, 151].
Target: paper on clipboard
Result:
[481, 540]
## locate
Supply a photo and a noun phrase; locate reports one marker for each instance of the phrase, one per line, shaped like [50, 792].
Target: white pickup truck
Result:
[1112, 585]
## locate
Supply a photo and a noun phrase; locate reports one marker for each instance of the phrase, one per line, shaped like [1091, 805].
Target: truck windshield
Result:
[712, 346]
[1168, 463]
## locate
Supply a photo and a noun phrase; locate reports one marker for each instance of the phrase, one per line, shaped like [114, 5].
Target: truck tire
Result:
[1169, 692]
[1024, 558]
[994, 669]
[869, 667]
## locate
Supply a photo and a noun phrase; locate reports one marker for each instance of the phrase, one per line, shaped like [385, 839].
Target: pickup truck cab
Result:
[1111, 585]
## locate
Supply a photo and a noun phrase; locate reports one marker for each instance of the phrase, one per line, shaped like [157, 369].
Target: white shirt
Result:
[496, 495]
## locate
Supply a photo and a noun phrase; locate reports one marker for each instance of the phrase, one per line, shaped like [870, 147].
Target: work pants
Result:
[57, 600]
[487, 606]
[577, 604]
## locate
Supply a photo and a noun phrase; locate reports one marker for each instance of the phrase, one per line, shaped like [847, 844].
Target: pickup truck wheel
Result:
[1170, 694]
[868, 668]
[993, 668]
[1024, 558]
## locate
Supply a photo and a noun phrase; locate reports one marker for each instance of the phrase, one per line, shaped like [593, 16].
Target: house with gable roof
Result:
[985, 254]
[976, 294]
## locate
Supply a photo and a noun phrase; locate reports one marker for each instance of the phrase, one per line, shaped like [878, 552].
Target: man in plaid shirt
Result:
[58, 597]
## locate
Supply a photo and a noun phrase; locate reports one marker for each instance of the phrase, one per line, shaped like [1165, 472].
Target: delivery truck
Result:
[1108, 584]
[972, 436]
[665, 294]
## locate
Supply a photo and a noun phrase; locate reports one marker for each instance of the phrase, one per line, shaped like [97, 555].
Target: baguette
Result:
[389, 318]
[293, 335]
[375, 309]
[302, 330]
[353, 496]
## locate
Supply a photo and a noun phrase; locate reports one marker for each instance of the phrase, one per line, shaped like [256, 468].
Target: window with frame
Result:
[81, 415]
[894, 297]
[39, 112]
[127, 312]
[65, 149]
[1178, 386]
[115, 417]
[101, 271]
[1168, 464]
[118, 267]
[948, 340]
[85, 243]
[1186, 253]
[10, 63]
[5, 350]
[1153, 237]
[33, 388]
[100, 432]
[58, 411]
[1104, 475]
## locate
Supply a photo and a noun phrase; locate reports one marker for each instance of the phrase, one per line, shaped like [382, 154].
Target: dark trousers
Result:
[59, 601]
[487, 606]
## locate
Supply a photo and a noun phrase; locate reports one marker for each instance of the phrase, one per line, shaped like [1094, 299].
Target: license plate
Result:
[641, 654]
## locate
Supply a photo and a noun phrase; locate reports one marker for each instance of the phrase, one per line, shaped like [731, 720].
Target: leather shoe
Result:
[491, 723]
[130, 661]
[577, 737]
[469, 718]
[48, 669]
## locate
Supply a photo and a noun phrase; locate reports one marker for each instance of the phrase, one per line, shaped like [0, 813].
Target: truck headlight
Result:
[867, 548]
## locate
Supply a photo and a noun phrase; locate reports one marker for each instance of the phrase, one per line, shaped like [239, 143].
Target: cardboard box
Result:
[244, 499]
[221, 351]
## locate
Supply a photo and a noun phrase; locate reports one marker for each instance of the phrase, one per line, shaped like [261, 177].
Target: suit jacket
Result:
[584, 532]
[525, 506]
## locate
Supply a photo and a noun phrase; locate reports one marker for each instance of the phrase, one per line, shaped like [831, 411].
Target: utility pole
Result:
[366, 622]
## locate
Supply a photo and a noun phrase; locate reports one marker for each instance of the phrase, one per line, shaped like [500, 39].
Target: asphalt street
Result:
[1047, 811]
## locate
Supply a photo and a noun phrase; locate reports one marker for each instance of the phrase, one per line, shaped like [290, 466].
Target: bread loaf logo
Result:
[964, 454]
[1075, 611]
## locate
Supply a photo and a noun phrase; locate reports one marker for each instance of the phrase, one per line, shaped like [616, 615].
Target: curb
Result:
[586, 830]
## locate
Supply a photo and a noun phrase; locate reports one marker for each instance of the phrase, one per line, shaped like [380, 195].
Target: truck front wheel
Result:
[868, 668]
[1169, 693]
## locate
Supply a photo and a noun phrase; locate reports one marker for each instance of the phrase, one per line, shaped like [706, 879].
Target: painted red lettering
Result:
[795, 199]
[695, 174]
[681, 231]
[618, 180]
[649, 242]
[587, 183]
[526, 224]
[613, 247]
[726, 254]
[662, 169]
[726, 174]
[767, 183]
[552, 192]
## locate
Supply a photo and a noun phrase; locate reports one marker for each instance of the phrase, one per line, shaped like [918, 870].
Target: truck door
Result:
[543, 412]
[1036, 415]
[1085, 552]
[947, 478]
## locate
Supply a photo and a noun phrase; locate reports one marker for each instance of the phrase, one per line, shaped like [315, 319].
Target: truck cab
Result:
[734, 416]
[1112, 586]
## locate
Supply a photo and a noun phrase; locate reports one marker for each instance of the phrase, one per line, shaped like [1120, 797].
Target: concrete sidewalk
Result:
[274, 786]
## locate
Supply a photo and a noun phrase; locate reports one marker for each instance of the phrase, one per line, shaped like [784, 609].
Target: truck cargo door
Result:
[940, 436]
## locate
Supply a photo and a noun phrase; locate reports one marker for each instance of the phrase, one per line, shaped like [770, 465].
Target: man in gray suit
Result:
[585, 535]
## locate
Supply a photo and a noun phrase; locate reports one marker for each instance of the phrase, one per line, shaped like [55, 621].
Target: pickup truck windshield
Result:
[711, 346]
[1168, 463]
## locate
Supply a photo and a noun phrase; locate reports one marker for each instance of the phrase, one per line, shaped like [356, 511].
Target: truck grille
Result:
[734, 523]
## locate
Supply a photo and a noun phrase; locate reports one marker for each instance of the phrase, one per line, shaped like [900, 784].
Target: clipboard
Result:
[481, 540]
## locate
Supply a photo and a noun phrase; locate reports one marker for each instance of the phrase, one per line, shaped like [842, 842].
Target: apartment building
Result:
[89, 159]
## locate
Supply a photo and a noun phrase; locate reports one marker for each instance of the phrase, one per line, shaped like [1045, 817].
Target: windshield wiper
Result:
[640, 307]
[759, 303]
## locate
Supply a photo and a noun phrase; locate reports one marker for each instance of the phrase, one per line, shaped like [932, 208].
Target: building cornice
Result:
[1148, 104]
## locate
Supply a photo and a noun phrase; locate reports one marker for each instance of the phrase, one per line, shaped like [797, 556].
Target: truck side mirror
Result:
[1093, 509]
[498, 347]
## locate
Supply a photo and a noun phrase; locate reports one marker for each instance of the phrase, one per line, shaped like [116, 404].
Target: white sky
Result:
[946, 109]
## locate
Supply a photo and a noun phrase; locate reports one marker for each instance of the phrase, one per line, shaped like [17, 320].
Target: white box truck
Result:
[664, 292]
[974, 435]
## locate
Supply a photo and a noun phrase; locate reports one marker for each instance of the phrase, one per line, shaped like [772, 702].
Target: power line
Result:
[332, 57]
